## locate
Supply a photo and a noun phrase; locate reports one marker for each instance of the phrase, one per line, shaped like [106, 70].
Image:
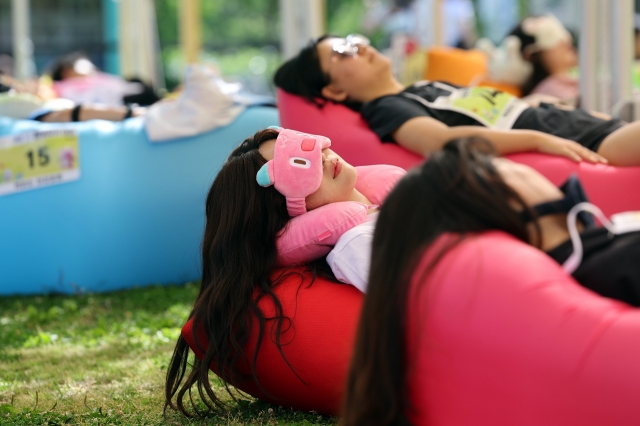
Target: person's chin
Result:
[349, 176]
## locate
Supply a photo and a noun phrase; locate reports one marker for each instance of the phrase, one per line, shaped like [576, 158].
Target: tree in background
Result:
[242, 37]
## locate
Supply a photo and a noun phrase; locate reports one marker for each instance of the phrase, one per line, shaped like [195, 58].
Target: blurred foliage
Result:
[523, 12]
[225, 23]
[232, 34]
[344, 16]
[523, 8]
[235, 33]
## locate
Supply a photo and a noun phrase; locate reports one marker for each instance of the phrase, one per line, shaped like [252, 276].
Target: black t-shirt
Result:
[610, 263]
[386, 114]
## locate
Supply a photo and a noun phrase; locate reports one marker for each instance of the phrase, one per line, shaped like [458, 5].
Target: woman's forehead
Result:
[325, 49]
[267, 148]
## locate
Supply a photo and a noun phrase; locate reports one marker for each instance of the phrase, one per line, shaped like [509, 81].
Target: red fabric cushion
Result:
[318, 345]
[349, 134]
[500, 335]
[611, 188]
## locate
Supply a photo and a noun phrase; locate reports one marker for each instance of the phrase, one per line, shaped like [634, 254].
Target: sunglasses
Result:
[348, 46]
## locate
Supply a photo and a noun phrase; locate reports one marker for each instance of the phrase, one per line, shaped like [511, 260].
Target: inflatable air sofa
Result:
[613, 189]
[526, 344]
[134, 216]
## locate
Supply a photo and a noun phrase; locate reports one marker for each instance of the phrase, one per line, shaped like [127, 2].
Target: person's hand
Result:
[549, 144]
[138, 111]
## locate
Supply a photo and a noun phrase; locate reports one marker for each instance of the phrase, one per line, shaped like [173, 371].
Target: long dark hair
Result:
[243, 220]
[63, 63]
[535, 58]
[458, 191]
[302, 75]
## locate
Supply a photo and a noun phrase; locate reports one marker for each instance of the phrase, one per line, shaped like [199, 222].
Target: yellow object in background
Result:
[413, 67]
[36, 159]
[462, 68]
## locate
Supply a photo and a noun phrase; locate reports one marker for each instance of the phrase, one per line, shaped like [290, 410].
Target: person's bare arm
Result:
[424, 135]
[93, 112]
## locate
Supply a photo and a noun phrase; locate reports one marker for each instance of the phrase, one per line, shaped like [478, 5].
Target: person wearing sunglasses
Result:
[423, 116]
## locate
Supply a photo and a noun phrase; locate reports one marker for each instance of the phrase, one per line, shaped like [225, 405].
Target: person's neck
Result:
[560, 71]
[390, 86]
[554, 230]
[359, 197]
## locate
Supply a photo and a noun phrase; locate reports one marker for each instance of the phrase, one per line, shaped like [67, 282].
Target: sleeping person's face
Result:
[530, 185]
[560, 58]
[351, 76]
[338, 177]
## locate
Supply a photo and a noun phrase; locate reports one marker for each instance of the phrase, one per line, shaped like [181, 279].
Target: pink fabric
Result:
[99, 87]
[316, 343]
[613, 189]
[349, 134]
[312, 235]
[296, 167]
[500, 335]
[564, 87]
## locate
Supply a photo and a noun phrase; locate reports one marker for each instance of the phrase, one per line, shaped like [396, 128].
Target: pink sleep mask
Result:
[296, 168]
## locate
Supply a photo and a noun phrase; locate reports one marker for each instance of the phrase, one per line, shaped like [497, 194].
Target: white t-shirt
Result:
[351, 256]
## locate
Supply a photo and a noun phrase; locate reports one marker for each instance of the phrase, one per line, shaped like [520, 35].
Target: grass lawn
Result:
[100, 359]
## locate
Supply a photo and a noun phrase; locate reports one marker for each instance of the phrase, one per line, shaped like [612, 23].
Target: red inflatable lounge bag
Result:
[317, 345]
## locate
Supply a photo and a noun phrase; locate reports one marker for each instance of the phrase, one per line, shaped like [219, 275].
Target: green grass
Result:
[101, 360]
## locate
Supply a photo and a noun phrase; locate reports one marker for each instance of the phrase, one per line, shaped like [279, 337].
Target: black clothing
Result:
[573, 194]
[610, 263]
[386, 114]
[576, 125]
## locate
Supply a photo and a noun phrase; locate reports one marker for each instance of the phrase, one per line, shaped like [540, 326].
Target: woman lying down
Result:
[477, 190]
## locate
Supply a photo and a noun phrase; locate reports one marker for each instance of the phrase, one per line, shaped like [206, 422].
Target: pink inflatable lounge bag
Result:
[500, 335]
[496, 343]
[613, 189]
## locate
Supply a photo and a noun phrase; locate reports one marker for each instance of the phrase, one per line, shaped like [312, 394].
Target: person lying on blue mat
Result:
[423, 116]
[19, 101]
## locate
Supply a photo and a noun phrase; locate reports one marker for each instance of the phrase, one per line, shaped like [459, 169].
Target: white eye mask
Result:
[547, 30]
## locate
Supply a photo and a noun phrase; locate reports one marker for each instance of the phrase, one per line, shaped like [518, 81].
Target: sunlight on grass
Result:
[101, 359]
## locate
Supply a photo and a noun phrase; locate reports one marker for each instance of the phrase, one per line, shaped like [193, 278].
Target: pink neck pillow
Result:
[296, 172]
[312, 235]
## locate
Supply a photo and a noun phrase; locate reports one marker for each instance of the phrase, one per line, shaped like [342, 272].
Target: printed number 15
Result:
[43, 157]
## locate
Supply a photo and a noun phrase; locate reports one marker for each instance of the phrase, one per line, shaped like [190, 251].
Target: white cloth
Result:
[206, 102]
[18, 105]
[351, 256]
[23, 106]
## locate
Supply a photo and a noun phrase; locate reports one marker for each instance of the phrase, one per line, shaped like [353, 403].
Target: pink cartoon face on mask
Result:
[296, 168]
